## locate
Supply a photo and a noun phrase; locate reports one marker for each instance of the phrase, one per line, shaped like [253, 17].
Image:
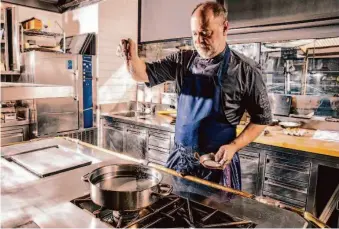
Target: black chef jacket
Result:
[243, 86]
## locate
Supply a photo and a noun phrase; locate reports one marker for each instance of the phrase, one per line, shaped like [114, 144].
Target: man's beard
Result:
[205, 51]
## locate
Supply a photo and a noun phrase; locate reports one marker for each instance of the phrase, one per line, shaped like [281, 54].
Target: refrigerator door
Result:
[56, 115]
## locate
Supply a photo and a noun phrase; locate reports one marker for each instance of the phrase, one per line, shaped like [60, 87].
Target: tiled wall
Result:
[81, 20]
[111, 21]
[118, 19]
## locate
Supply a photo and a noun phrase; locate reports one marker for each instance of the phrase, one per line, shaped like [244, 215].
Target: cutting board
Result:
[50, 160]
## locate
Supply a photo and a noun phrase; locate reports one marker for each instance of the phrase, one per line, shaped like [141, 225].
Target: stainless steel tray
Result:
[50, 160]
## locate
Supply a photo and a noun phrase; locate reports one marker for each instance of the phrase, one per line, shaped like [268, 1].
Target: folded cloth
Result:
[326, 135]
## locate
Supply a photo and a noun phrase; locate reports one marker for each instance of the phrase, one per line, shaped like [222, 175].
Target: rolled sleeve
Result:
[257, 101]
[161, 71]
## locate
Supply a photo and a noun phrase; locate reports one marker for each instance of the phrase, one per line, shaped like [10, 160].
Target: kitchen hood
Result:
[58, 6]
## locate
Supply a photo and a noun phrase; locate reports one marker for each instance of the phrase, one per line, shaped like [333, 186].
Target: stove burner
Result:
[123, 217]
[168, 212]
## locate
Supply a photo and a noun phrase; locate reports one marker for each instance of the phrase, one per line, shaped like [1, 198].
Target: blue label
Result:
[70, 64]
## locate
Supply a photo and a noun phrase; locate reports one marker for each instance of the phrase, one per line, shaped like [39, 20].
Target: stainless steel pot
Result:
[126, 187]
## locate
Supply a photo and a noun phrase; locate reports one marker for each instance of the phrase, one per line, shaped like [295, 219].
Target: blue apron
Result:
[201, 126]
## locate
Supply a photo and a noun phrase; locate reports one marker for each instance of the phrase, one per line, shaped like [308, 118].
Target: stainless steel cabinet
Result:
[159, 145]
[135, 141]
[113, 137]
[286, 178]
[249, 160]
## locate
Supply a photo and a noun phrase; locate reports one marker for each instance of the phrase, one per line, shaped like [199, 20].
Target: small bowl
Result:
[208, 161]
[290, 124]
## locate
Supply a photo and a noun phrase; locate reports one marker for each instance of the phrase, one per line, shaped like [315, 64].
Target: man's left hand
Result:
[225, 154]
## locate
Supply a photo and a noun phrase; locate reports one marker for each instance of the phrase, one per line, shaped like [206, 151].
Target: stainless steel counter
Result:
[46, 201]
[161, 122]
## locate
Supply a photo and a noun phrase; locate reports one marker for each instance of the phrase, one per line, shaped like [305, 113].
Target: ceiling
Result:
[58, 6]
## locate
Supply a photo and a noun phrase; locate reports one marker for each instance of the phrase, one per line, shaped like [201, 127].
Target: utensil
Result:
[126, 187]
[208, 161]
[289, 124]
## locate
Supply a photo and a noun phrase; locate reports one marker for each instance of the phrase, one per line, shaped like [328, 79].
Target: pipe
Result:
[306, 215]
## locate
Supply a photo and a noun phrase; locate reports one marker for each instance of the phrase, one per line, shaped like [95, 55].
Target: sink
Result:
[146, 117]
[131, 114]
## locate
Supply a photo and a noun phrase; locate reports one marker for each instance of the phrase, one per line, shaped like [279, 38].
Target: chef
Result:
[215, 85]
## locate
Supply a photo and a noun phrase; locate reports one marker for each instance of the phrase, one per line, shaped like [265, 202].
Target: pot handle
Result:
[165, 192]
[85, 178]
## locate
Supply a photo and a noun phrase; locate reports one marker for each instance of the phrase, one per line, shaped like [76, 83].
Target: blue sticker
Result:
[70, 64]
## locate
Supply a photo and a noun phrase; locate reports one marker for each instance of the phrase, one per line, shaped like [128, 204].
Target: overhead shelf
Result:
[43, 50]
[9, 73]
[33, 32]
[21, 91]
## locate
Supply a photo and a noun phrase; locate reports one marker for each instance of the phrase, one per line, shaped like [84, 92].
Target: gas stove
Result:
[169, 212]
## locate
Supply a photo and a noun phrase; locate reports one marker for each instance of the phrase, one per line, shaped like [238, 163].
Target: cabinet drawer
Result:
[114, 124]
[283, 190]
[288, 182]
[155, 161]
[159, 142]
[136, 129]
[287, 169]
[161, 134]
[159, 139]
[287, 173]
[285, 200]
[292, 162]
[157, 155]
[250, 152]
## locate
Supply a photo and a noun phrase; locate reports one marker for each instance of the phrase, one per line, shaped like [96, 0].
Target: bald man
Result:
[215, 85]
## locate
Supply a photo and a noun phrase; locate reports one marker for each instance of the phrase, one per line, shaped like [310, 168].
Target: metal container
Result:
[126, 187]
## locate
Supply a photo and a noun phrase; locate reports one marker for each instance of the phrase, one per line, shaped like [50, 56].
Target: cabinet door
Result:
[113, 138]
[249, 162]
[287, 178]
[135, 142]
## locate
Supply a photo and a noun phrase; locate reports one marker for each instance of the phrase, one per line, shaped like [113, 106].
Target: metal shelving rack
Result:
[34, 32]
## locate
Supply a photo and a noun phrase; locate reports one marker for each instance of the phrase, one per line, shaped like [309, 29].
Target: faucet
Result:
[148, 108]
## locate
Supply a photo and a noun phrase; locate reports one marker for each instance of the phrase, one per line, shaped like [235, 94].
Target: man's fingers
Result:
[226, 158]
[219, 155]
[132, 48]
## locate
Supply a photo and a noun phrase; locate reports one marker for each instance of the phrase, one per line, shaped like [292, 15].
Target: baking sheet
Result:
[50, 160]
